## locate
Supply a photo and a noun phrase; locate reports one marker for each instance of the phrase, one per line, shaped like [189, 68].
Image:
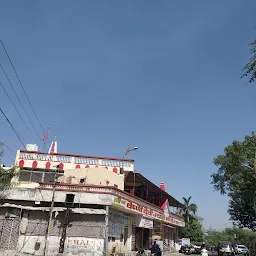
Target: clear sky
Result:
[161, 75]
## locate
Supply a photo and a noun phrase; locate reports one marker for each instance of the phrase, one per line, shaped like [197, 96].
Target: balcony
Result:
[41, 160]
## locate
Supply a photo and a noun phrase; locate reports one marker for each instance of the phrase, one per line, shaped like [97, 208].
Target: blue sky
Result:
[161, 75]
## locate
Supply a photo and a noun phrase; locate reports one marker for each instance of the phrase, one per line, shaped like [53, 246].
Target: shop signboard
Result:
[85, 245]
[143, 222]
[146, 211]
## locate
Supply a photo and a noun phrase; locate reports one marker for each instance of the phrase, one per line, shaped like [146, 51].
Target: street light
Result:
[129, 150]
[126, 153]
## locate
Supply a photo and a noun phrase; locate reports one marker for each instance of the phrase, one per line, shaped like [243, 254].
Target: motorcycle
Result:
[187, 250]
[141, 252]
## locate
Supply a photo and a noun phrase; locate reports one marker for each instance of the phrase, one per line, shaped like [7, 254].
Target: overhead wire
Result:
[21, 85]
[15, 131]
[17, 110]
[10, 83]
[11, 150]
[7, 154]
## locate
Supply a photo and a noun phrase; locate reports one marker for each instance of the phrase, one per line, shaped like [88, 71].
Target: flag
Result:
[45, 137]
[128, 150]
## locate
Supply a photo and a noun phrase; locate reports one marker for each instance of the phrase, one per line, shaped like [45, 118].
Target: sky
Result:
[160, 75]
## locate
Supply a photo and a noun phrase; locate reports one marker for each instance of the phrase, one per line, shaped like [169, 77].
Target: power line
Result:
[17, 110]
[21, 85]
[19, 100]
[19, 137]
[11, 158]
[11, 150]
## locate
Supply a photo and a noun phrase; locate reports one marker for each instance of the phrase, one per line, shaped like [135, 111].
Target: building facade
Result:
[101, 206]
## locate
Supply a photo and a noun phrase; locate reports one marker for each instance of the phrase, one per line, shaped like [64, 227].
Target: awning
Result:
[169, 226]
[57, 209]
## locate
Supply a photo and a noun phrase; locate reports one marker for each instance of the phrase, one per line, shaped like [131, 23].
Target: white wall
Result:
[94, 176]
[73, 245]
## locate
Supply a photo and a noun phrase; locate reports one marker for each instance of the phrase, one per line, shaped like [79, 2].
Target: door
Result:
[125, 236]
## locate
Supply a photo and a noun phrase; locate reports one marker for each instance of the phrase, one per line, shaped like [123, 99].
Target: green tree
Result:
[194, 231]
[6, 176]
[213, 237]
[234, 235]
[236, 178]
[189, 209]
[250, 67]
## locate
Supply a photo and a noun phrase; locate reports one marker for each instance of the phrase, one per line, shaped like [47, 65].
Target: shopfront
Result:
[148, 223]
[143, 232]
[119, 231]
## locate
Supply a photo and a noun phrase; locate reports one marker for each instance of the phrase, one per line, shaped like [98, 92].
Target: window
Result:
[24, 176]
[37, 176]
[48, 177]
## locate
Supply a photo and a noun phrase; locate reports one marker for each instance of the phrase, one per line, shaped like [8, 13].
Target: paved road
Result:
[212, 253]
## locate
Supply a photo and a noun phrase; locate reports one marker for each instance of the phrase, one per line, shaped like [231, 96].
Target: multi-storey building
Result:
[98, 205]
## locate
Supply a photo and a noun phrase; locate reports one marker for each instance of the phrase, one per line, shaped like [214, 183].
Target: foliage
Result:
[194, 231]
[250, 67]
[233, 235]
[6, 176]
[237, 179]
[189, 209]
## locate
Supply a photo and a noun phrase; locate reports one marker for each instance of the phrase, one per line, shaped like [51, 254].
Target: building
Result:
[101, 206]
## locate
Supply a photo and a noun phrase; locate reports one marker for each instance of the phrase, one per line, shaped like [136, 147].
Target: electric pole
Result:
[49, 225]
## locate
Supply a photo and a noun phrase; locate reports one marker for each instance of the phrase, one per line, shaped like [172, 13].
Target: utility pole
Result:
[106, 230]
[49, 225]
[64, 231]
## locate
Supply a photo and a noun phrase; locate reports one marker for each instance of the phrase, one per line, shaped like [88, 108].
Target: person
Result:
[156, 249]
[203, 246]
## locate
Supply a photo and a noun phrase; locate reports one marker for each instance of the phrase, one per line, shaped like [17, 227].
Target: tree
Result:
[236, 178]
[189, 209]
[234, 235]
[6, 176]
[194, 231]
[250, 67]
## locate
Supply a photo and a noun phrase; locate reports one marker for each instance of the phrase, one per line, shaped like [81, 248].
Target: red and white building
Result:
[101, 206]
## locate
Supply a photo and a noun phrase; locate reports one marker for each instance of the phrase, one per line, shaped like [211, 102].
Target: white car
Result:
[241, 249]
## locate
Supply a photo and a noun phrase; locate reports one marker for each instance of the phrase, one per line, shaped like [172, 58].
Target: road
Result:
[212, 253]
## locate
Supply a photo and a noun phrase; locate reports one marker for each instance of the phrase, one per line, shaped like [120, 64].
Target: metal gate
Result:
[9, 233]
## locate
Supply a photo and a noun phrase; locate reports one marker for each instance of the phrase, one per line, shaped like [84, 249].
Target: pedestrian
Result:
[156, 249]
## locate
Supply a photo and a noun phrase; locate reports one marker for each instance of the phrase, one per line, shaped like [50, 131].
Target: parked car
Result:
[241, 249]
[226, 248]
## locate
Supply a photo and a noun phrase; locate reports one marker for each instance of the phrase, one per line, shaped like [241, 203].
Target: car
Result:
[241, 249]
[225, 248]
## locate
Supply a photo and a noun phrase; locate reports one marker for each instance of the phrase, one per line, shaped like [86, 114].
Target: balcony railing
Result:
[45, 157]
[75, 159]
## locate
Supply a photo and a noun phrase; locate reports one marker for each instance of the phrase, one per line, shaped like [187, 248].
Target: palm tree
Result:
[189, 209]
